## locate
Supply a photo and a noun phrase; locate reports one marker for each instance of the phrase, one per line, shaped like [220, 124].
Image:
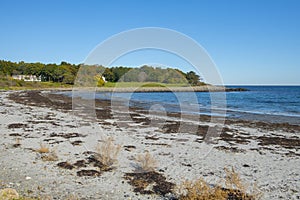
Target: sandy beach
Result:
[266, 155]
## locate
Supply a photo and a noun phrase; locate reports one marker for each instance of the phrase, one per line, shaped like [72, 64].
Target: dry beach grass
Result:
[107, 153]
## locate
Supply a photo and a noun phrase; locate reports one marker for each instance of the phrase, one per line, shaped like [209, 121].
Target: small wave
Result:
[265, 113]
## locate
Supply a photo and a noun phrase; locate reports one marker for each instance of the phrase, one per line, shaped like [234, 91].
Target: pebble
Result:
[28, 178]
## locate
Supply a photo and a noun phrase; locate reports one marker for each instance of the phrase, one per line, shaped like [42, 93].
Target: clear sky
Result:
[251, 41]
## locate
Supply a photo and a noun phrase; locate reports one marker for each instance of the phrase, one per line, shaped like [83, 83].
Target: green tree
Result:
[193, 78]
[119, 72]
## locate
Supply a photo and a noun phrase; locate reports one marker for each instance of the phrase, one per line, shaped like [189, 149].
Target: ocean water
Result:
[264, 103]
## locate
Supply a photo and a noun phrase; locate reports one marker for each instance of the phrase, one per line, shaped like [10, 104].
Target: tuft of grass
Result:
[146, 162]
[107, 152]
[235, 187]
[47, 154]
[72, 197]
[43, 149]
[9, 193]
[234, 183]
[201, 190]
[50, 156]
[12, 194]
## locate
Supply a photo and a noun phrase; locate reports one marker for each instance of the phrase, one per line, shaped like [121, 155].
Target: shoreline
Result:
[230, 114]
[265, 152]
[63, 102]
[207, 88]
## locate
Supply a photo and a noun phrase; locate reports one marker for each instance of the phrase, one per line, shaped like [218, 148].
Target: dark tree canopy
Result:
[66, 72]
[193, 78]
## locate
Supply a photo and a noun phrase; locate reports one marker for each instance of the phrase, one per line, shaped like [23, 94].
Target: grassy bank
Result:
[13, 84]
[142, 84]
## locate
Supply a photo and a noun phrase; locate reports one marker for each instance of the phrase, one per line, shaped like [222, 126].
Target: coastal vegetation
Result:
[65, 74]
[146, 162]
[106, 153]
[199, 189]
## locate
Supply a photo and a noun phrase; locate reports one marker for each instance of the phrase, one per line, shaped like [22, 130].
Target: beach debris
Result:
[80, 163]
[129, 147]
[15, 134]
[67, 135]
[289, 143]
[151, 138]
[76, 142]
[17, 125]
[88, 173]
[65, 165]
[149, 183]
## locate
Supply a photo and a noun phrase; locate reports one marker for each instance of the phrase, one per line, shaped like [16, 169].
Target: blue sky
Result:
[251, 41]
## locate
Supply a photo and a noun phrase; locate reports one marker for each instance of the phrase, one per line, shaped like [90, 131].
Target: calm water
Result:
[267, 103]
[264, 103]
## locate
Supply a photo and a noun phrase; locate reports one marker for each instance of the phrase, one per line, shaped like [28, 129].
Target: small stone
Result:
[28, 178]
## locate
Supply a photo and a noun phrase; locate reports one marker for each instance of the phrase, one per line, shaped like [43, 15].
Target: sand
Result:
[264, 154]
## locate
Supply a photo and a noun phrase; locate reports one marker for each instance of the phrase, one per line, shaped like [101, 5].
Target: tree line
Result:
[66, 73]
[63, 72]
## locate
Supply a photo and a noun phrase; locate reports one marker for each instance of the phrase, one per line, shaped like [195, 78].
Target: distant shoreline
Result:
[163, 89]
[171, 89]
[208, 88]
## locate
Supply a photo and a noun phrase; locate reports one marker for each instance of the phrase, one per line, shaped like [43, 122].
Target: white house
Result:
[103, 78]
[27, 77]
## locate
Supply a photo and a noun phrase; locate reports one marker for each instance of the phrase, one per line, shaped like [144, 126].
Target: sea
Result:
[276, 104]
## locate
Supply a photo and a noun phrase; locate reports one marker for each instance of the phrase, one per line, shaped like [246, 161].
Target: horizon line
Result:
[275, 84]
